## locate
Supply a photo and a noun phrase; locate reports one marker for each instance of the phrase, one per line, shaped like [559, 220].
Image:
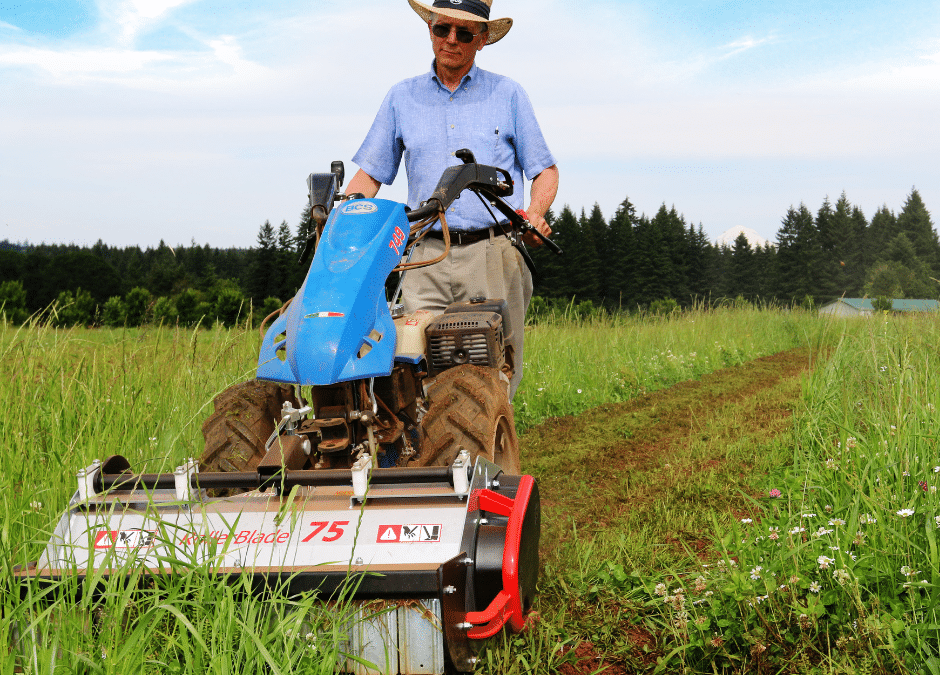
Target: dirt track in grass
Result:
[661, 464]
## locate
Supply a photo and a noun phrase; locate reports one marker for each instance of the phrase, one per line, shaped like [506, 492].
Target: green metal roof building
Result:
[863, 306]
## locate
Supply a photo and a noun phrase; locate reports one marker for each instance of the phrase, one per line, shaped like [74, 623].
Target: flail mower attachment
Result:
[460, 540]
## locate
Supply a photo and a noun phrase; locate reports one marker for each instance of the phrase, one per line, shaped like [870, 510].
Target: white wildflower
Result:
[904, 513]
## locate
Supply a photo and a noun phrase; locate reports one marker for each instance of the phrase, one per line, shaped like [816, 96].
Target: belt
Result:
[462, 238]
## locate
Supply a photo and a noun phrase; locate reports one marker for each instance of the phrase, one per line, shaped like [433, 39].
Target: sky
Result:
[136, 121]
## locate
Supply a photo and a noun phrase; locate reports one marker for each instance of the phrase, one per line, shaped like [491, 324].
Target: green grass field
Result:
[849, 589]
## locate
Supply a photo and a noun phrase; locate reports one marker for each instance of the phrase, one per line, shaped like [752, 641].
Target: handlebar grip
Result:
[429, 209]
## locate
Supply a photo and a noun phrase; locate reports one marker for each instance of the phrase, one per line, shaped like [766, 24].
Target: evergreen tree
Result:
[620, 258]
[862, 258]
[165, 271]
[883, 228]
[554, 272]
[798, 255]
[594, 235]
[264, 280]
[654, 264]
[287, 262]
[697, 255]
[842, 248]
[742, 272]
[673, 236]
[765, 272]
[581, 257]
[914, 221]
[831, 230]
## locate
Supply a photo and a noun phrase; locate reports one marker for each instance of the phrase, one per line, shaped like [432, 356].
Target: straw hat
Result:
[468, 10]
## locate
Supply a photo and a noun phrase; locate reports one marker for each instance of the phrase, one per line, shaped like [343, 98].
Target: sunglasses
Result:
[442, 30]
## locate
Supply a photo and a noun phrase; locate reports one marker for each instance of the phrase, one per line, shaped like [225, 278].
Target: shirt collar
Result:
[471, 74]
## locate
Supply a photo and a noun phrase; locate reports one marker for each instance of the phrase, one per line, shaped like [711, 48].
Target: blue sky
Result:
[134, 121]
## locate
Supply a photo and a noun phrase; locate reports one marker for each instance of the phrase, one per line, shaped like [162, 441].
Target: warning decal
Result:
[105, 539]
[413, 532]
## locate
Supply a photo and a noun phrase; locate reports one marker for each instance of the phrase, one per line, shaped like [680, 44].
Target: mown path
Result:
[642, 483]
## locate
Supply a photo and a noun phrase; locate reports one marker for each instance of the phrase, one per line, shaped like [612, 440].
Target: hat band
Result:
[471, 6]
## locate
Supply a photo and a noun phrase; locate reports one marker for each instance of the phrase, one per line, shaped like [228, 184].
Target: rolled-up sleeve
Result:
[532, 151]
[381, 151]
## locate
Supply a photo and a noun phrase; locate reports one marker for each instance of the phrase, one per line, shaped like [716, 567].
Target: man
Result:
[425, 120]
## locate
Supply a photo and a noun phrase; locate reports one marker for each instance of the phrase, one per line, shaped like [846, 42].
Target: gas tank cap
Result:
[477, 299]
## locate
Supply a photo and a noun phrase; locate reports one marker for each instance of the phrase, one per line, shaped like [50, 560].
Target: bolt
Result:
[358, 561]
[494, 484]
[449, 590]
[464, 626]
[468, 562]
[81, 473]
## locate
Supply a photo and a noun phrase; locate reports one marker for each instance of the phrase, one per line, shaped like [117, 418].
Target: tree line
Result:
[626, 263]
[631, 261]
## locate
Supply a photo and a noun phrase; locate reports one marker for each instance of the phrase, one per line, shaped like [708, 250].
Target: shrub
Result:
[138, 304]
[13, 302]
[114, 313]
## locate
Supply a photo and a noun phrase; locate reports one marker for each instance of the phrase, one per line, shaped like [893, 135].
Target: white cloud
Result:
[743, 45]
[82, 62]
[132, 16]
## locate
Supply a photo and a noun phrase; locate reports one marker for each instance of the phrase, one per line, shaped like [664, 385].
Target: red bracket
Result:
[506, 607]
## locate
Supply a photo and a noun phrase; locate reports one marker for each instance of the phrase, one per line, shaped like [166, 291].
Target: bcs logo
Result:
[359, 207]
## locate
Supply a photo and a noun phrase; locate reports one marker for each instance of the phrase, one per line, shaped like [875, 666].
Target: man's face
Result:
[449, 51]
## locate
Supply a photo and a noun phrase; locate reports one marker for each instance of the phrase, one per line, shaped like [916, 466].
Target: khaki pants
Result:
[491, 268]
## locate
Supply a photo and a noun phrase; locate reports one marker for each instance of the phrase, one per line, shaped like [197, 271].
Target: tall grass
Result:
[841, 570]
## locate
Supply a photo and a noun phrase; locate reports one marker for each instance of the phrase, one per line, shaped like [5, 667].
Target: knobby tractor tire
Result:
[469, 408]
[245, 416]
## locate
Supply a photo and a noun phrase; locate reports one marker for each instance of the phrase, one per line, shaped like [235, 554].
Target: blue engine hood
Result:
[341, 312]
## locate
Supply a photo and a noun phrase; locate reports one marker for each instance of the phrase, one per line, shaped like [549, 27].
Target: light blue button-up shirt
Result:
[426, 123]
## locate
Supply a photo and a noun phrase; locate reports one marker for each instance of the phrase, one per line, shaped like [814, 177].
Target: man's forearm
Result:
[364, 183]
[544, 189]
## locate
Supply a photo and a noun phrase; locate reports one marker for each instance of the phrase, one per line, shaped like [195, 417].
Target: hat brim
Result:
[497, 28]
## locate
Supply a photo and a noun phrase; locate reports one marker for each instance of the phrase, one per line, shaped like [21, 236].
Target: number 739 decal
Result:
[334, 531]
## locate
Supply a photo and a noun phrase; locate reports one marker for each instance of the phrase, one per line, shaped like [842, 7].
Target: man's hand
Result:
[539, 224]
